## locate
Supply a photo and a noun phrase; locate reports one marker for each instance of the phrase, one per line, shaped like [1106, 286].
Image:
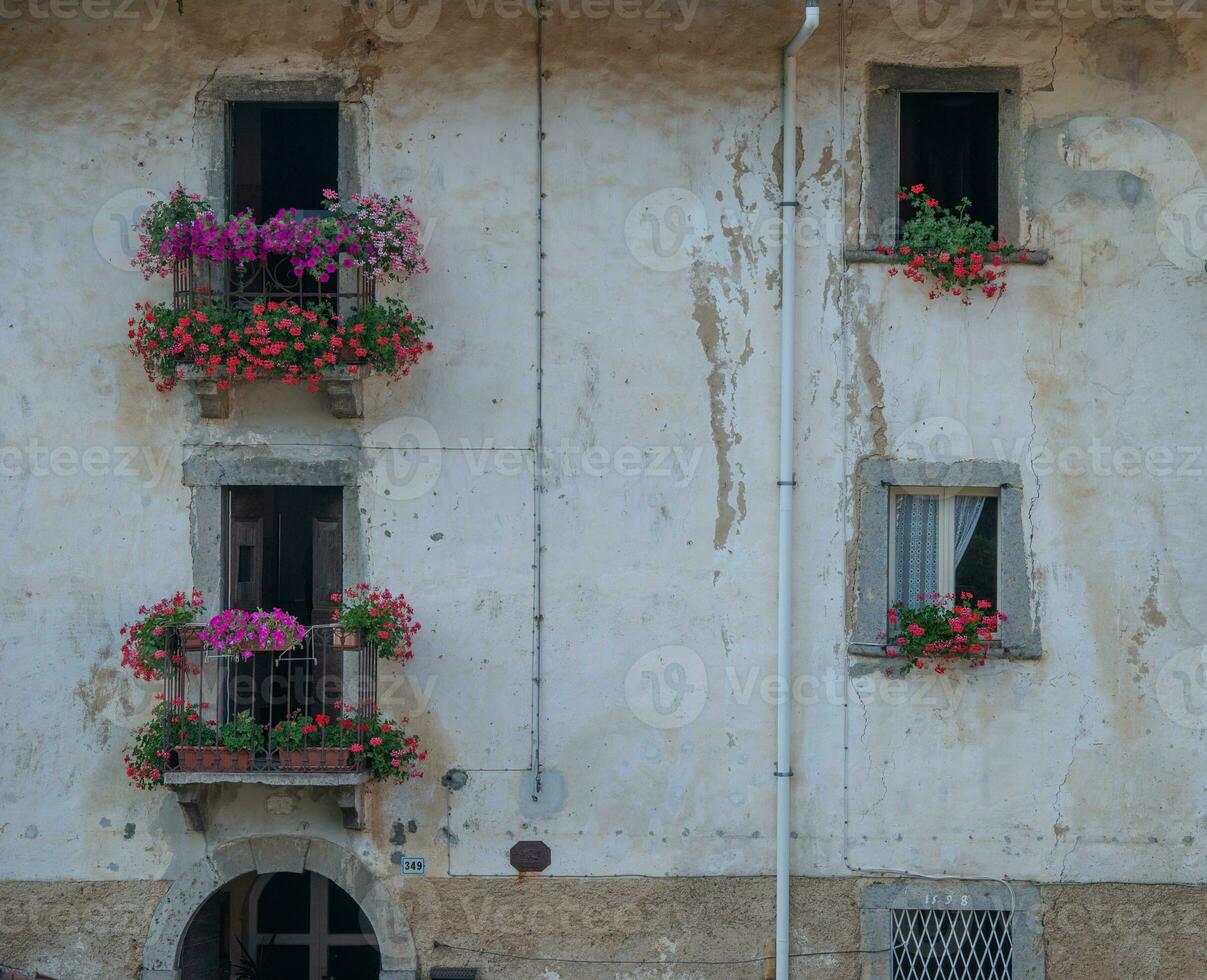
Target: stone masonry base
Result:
[96, 930]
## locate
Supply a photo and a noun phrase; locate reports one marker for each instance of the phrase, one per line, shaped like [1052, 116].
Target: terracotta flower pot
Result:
[199, 758]
[347, 355]
[190, 637]
[292, 759]
[240, 759]
[333, 758]
[315, 759]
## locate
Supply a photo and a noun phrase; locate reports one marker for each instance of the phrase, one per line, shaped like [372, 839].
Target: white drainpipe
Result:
[787, 482]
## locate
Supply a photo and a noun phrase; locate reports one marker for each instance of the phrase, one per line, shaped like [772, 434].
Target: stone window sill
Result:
[867, 255]
[996, 651]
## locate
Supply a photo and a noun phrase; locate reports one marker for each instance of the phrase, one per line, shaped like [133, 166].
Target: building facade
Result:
[577, 489]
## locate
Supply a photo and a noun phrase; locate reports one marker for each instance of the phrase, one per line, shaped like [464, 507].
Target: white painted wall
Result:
[1081, 765]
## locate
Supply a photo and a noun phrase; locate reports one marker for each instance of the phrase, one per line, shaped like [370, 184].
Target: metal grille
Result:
[951, 944]
[199, 281]
[332, 673]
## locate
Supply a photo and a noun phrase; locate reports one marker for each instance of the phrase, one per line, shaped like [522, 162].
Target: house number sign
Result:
[413, 866]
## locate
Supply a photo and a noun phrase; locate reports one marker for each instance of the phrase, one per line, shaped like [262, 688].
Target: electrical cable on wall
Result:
[664, 963]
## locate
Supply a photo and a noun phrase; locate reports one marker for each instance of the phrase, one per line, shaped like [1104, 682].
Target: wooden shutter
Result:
[248, 575]
[247, 182]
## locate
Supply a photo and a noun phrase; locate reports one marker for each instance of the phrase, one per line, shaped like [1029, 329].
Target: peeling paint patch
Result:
[722, 379]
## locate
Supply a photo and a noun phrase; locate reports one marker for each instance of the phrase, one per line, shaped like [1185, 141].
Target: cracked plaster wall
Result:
[1078, 766]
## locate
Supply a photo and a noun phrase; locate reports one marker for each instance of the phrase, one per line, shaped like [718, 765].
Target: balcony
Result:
[197, 282]
[276, 718]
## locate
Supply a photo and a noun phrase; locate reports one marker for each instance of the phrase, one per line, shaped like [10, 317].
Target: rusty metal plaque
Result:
[531, 855]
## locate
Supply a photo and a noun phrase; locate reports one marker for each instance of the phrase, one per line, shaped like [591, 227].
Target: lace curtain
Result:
[968, 513]
[917, 547]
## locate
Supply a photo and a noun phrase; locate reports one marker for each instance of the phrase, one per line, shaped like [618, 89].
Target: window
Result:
[948, 141]
[942, 539]
[952, 930]
[927, 526]
[303, 927]
[956, 130]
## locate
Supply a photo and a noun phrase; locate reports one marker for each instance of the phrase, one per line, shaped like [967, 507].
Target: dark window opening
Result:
[949, 143]
[284, 551]
[283, 156]
[976, 568]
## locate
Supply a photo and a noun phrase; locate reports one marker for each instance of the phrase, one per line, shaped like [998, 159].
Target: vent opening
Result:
[951, 944]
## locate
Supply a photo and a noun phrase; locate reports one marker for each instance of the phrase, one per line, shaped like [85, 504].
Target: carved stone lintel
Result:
[351, 800]
[190, 800]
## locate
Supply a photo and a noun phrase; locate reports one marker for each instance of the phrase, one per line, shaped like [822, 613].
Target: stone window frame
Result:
[877, 902]
[885, 83]
[209, 471]
[211, 130]
[1019, 637]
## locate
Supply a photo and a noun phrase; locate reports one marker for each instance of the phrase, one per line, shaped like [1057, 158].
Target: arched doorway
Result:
[295, 907]
[286, 925]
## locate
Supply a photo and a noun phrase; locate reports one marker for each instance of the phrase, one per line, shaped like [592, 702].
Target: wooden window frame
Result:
[947, 510]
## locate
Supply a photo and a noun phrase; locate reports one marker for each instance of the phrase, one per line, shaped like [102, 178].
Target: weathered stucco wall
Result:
[660, 400]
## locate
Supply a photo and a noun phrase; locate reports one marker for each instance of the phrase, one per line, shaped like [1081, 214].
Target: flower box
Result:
[212, 758]
[235, 309]
[316, 759]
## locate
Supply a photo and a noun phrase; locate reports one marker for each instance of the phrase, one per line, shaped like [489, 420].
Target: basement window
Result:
[955, 130]
[951, 944]
[951, 930]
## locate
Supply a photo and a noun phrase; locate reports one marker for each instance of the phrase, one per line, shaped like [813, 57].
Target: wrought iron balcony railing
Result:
[196, 282]
[268, 711]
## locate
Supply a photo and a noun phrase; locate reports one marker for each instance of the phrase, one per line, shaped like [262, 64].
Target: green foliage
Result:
[946, 250]
[940, 629]
[241, 733]
[170, 725]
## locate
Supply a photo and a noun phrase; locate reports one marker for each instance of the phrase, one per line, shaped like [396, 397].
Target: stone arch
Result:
[264, 855]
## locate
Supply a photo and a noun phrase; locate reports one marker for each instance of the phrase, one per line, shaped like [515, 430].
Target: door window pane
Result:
[285, 904]
[284, 963]
[353, 963]
[343, 914]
